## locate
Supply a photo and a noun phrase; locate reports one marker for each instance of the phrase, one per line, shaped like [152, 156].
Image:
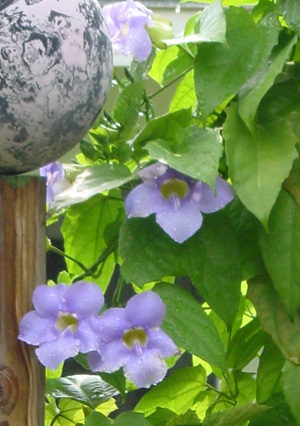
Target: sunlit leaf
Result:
[176, 393]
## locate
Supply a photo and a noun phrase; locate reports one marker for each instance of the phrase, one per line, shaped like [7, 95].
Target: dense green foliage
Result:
[233, 81]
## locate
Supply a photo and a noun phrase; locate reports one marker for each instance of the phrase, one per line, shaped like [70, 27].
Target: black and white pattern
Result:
[55, 70]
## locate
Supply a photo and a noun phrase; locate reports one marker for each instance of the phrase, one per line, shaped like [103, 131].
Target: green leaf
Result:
[274, 319]
[212, 260]
[128, 104]
[164, 127]
[94, 180]
[162, 60]
[278, 415]
[212, 27]
[291, 385]
[225, 2]
[269, 371]
[189, 418]
[83, 230]
[69, 413]
[117, 380]
[87, 389]
[292, 183]
[142, 242]
[97, 419]
[139, 70]
[245, 345]
[247, 228]
[197, 153]
[131, 418]
[252, 161]
[234, 416]
[185, 96]
[176, 393]
[181, 64]
[161, 416]
[203, 401]
[281, 251]
[291, 13]
[221, 70]
[254, 90]
[186, 321]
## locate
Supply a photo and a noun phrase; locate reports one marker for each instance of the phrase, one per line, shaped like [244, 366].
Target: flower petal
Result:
[114, 356]
[152, 172]
[51, 354]
[157, 339]
[145, 309]
[83, 298]
[48, 301]
[143, 200]
[94, 360]
[182, 222]
[35, 329]
[111, 324]
[146, 369]
[86, 335]
[139, 43]
[224, 194]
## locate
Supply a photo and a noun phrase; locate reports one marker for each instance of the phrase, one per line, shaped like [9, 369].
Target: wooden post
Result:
[22, 268]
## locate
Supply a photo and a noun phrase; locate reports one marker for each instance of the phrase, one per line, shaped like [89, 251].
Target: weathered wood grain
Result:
[22, 268]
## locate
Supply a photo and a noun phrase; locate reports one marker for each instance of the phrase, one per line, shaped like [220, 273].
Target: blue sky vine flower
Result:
[126, 22]
[61, 323]
[176, 199]
[56, 182]
[130, 337]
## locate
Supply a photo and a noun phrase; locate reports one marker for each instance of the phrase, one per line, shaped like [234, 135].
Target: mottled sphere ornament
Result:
[55, 72]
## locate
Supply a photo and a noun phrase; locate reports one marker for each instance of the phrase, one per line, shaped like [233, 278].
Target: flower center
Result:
[174, 186]
[66, 321]
[135, 335]
[124, 29]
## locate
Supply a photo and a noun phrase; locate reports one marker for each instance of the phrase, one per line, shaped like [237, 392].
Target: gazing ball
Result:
[55, 72]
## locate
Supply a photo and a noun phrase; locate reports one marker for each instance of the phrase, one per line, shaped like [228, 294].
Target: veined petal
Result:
[143, 200]
[35, 329]
[87, 336]
[83, 298]
[111, 324]
[48, 301]
[51, 354]
[209, 203]
[182, 222]
[157, 339]
[146, 369]
[114, 356]
[146, 310]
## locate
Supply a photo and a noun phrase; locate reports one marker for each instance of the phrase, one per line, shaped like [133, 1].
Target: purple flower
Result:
[130, 337]
[56, 182]
[62, 321]
[176, 199]
[126, 22]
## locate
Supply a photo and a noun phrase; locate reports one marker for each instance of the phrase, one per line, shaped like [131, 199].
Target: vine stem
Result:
[118, 291]
[63, 254]
[161, 89]
[103, 256]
